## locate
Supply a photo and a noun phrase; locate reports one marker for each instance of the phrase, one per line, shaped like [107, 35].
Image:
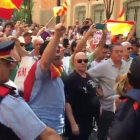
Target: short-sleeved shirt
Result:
[89, 57]
[107, 73]
[81, 95]
[48, 100]
[17, 115]
[66, 64]
[128, 63]
[95, 63]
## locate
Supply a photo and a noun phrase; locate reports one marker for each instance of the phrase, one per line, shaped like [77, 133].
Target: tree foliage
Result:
[25, 11]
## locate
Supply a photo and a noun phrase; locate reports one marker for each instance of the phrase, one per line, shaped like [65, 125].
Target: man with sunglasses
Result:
[127, 50]
[80, 46]
[17, 120]
[82, 103]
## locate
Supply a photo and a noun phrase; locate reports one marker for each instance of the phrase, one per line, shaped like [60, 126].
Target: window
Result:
[98, 13]
[132, 10]
[80, 13]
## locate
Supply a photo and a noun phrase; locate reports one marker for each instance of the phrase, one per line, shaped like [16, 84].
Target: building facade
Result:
[81, 9]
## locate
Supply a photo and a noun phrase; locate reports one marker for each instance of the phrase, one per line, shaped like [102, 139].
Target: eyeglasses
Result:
[6, 62]
[130, 48]
[22, 44]
[82, 60]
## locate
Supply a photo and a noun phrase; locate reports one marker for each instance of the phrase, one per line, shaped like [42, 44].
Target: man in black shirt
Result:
[82, 104]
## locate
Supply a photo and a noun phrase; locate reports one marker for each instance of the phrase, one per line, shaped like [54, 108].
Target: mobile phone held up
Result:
[100, 26]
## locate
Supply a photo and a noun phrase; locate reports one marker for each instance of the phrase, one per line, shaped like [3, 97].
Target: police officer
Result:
[127, 122]
[17, 120]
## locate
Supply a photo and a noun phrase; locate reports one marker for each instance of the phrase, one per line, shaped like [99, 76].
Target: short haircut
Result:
[114, 45]
[73, 45]
[43, 47]
[106, 46]
[125, 43]
[8, 24]
[135, 43]
[27, 34]
[37, 38]
[133, 81]
[118, 36]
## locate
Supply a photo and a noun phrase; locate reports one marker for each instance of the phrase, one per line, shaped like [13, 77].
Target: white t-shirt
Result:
[95, 63]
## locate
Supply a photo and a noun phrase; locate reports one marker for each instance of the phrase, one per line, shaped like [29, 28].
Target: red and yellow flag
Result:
[60, 10]
[7, 10]
[56, 10]
[119, 27]
[7, 4]
[65, 6]
[122, 16]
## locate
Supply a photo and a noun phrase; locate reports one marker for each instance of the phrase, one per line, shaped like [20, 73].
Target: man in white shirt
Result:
[106, 73]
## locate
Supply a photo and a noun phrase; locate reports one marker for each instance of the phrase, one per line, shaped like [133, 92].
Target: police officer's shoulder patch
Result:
[5, 90]
[124, 109]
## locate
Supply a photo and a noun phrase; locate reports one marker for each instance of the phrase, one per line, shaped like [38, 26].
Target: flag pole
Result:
[50, 20]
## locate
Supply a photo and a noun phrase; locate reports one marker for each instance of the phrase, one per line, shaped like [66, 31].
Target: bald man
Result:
[82, 103]
[127, 50]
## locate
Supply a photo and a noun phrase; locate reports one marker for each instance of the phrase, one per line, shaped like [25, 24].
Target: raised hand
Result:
[60, 29]
[92, 29]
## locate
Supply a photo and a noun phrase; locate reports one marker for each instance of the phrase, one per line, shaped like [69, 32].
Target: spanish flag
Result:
[7, 10]
[57, 11]
[60, 10]
[65, 6]
[119, 27]
[29, 81]
[121, 16]
[7, 4]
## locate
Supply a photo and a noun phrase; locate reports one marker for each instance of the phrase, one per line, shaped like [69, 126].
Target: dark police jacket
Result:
[127, 122]
[5, 132]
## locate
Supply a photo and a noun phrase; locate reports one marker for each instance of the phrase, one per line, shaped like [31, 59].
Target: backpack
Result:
[5, 132]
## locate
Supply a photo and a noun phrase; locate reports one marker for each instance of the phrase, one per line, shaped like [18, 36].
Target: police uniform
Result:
[126, 125]
[17, 120]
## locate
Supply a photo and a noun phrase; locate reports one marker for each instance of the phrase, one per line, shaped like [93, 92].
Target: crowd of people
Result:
[56, 84]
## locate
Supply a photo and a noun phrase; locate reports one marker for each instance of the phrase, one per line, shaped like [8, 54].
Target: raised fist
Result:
[60, 29]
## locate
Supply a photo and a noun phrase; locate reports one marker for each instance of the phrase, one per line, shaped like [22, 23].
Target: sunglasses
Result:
[130, 48]
[13, 63]
[22, 44]
[82, 60]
